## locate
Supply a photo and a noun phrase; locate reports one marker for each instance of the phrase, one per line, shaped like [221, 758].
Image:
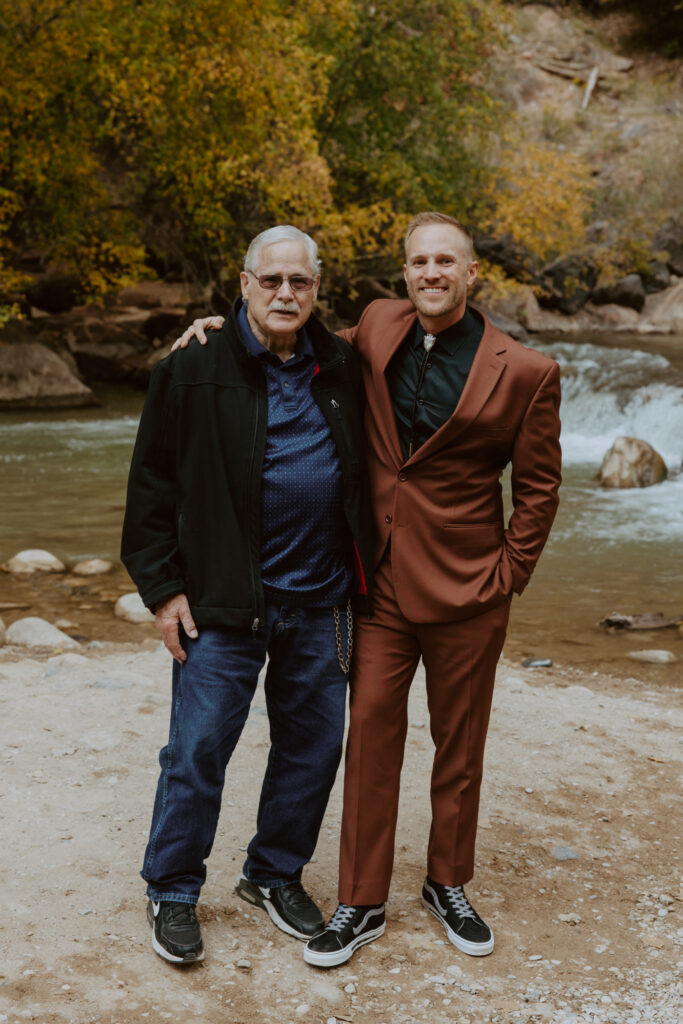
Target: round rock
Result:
[631, 462]
[131, 608]
[92, 567]
[654, 656]
[35, 632]
[34, 560]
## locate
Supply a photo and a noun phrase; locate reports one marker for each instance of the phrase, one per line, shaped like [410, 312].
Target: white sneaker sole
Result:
[471, 948]
[340, 956]
[164, 953]
[272, 914]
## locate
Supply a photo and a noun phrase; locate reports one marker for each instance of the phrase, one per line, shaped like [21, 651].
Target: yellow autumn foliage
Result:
[540, 197]
[143, 136]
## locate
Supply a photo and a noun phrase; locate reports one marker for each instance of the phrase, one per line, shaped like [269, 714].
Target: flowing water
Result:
[64, 474]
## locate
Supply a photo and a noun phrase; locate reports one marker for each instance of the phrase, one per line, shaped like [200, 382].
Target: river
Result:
[64, 479]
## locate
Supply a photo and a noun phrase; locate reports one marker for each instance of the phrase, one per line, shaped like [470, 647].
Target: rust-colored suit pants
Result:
[460, 661]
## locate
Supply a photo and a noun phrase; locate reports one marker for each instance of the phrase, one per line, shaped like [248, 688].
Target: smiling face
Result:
[276, 316]
[439, 269]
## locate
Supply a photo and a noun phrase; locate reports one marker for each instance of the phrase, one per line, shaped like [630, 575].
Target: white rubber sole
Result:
[471, 948]
[266, 905]
[340, 956]
[158, 948]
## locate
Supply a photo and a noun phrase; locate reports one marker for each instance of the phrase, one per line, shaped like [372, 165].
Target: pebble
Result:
[535, 956]
[131, 608]
[92, 567]
[537, 663]
[301, 1009]
[36, 632]
[570, 918]
[564, 853]
[244, 964]
[34, 560]
[350, 988]
[654, 656]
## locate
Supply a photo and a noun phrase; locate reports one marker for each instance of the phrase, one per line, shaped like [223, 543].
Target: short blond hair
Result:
[420, 220]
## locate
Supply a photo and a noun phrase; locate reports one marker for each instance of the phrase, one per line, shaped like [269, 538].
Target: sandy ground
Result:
[575, 762]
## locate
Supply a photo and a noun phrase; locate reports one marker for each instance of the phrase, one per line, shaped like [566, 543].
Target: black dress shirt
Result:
[426, 387]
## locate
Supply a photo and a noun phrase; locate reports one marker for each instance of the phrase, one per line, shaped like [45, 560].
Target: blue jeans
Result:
[305, 691]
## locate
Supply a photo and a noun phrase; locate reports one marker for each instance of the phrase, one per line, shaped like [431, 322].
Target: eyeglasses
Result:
[271, 282]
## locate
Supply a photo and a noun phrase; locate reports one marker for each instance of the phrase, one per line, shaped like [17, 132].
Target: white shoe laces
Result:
[459, 902]
[341, 917]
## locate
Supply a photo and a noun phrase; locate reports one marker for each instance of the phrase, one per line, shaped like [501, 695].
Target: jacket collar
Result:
[325, 349]
[489, 364]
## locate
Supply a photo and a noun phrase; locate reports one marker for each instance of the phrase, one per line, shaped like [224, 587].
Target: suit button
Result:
[402, 476]
[387, 519]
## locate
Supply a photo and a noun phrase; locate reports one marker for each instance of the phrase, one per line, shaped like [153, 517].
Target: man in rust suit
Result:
[451, 401]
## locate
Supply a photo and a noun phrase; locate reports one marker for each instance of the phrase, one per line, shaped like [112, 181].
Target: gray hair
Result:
[281, 233]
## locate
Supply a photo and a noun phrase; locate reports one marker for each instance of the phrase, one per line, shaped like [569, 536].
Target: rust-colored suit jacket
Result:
[451, 555]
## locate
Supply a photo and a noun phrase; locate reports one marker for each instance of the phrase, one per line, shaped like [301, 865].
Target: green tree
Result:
[153, 132]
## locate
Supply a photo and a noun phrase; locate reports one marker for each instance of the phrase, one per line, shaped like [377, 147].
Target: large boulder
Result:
[55, 291]
[627, 291]
[589, 318]
[33, 560]
[656, 277]
[150, 294]
[669, 242]
[34, 377]
[516, 261]
[631, 462]
[35, 632]
[663, 312]
[567, 284]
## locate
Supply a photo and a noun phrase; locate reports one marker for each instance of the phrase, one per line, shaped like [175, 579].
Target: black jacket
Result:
[193, 510]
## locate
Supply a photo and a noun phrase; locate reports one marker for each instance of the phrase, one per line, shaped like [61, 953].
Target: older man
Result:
[451, 401]
[247, 529]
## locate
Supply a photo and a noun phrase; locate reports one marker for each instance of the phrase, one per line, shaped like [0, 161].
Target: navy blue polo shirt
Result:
[305, 558]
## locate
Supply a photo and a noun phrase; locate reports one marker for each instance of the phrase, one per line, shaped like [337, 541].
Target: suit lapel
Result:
[384, 349]
[487, 368]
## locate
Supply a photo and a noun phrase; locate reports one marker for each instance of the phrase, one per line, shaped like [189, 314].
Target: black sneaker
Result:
[464, 927]
[289, 906]
[176, 935]
[349, 928]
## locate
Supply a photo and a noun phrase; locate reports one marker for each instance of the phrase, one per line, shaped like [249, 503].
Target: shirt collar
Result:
[450, 338]
[302, 350]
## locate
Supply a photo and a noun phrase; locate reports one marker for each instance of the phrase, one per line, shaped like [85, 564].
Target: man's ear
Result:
[244, 284]
[315, 287]
[472, 272]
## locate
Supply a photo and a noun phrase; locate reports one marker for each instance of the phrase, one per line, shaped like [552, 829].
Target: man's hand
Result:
[167, 615]
[198, 330]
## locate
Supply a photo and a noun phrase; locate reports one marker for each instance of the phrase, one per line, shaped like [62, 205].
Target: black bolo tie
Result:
[428, 342]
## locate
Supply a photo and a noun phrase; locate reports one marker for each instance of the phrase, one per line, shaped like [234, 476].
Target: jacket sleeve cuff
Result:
[163, 592]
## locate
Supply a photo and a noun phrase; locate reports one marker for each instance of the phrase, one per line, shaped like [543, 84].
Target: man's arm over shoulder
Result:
[536, 477]
[149, 544]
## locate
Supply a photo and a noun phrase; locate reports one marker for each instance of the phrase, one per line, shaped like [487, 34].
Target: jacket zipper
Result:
[256, 621]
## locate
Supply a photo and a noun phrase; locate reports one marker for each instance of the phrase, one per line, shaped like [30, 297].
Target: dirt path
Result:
[576, 767]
